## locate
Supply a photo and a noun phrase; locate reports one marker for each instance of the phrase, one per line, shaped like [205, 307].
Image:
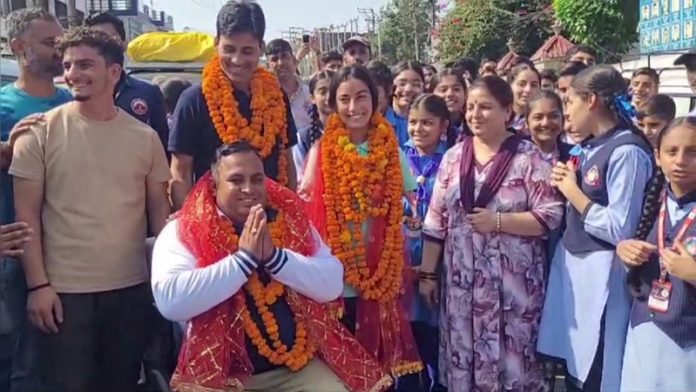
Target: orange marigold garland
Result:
[264, 296]
[268, 126]
[359, 188]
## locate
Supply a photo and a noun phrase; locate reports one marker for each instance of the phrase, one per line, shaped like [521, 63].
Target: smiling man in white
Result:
[245, 268]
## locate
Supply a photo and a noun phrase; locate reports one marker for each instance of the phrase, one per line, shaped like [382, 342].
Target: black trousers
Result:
[100, 343]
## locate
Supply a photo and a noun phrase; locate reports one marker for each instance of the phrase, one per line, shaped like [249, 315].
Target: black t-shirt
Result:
[194, 134]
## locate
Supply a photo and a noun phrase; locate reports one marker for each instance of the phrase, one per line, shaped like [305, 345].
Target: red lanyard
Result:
[661, 233]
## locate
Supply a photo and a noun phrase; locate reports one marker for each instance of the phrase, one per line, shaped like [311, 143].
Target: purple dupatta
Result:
[500, 165]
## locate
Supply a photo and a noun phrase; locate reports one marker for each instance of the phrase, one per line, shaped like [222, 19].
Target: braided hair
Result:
[651, 204]
[611, 89]
[316, 128]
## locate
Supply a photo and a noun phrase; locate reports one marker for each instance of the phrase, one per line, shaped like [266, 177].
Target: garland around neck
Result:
[359, 188]
[268, 127]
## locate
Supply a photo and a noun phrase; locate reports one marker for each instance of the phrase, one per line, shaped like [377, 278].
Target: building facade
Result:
[667, 25]
[137, 17]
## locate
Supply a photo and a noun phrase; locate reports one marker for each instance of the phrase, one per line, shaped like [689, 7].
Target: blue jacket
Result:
[145, 102]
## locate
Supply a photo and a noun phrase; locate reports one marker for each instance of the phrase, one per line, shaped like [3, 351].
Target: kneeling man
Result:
[245, 268]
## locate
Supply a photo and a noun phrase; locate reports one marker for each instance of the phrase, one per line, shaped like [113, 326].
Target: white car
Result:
[9, 71]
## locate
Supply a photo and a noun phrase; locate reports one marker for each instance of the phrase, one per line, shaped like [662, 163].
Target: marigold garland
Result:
[359, 188]
[268, 126]
[264, 296]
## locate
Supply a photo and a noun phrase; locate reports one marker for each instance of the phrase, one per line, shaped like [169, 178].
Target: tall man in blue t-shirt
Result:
[32, 34]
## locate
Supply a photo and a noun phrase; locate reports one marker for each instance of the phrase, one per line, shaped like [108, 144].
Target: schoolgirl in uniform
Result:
[428, 119]
[408, 85]
[318, 113]
[587, 304]
[545, 124]
[661, 341]
[525, 83]
[451, 86]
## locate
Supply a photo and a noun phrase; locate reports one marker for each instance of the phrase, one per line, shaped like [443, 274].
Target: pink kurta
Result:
[494, 284]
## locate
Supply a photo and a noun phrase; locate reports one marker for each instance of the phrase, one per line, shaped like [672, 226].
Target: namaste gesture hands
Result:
[256, 238]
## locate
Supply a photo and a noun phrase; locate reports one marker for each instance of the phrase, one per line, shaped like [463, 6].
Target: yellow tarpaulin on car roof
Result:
[160, 46]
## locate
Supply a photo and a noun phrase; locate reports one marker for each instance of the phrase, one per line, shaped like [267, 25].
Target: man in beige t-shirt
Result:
[87, 181]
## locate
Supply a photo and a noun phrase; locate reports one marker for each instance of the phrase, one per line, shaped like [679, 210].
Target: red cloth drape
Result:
[213, 356]
[383, 328]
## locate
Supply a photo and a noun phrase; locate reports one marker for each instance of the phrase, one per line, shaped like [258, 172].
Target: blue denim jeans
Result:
[18, 339]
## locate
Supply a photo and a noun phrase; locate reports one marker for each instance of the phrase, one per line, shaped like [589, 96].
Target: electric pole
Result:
[373, 26]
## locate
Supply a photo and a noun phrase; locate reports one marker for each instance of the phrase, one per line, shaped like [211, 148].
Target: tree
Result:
[405, 30]
[479, 28]
[609, 25]
[532, 25]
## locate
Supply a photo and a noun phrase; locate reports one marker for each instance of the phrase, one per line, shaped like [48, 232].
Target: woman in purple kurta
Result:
[491, 207]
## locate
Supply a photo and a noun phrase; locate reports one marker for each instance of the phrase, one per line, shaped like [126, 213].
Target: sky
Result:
[280, 14]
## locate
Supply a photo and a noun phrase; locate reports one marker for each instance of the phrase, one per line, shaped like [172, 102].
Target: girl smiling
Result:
[358, 177]
[408, 85]
[525, 83]
[428, 120]
[450, 85]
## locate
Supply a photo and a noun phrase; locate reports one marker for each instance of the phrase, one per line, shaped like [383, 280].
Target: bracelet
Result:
[498, 222]
[427, 275]
[39, 287]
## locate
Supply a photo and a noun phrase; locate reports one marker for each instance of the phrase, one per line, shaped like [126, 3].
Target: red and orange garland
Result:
[359, 188]
[264, 296]
[268, 125]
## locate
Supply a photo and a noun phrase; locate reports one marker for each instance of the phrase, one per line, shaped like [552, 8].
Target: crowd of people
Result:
[373, 228]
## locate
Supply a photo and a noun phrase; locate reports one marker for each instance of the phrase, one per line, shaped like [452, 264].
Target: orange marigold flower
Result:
[268, 126]
[359, 188]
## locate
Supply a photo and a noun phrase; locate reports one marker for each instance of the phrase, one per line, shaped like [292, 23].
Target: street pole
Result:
[379, 39]
[433, 21]
[374, 26]
[415, 34]
[72, 14]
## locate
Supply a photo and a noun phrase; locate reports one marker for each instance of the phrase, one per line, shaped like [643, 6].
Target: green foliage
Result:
[474, 29]
[609, 25]
[479, 28]
[405, 23]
